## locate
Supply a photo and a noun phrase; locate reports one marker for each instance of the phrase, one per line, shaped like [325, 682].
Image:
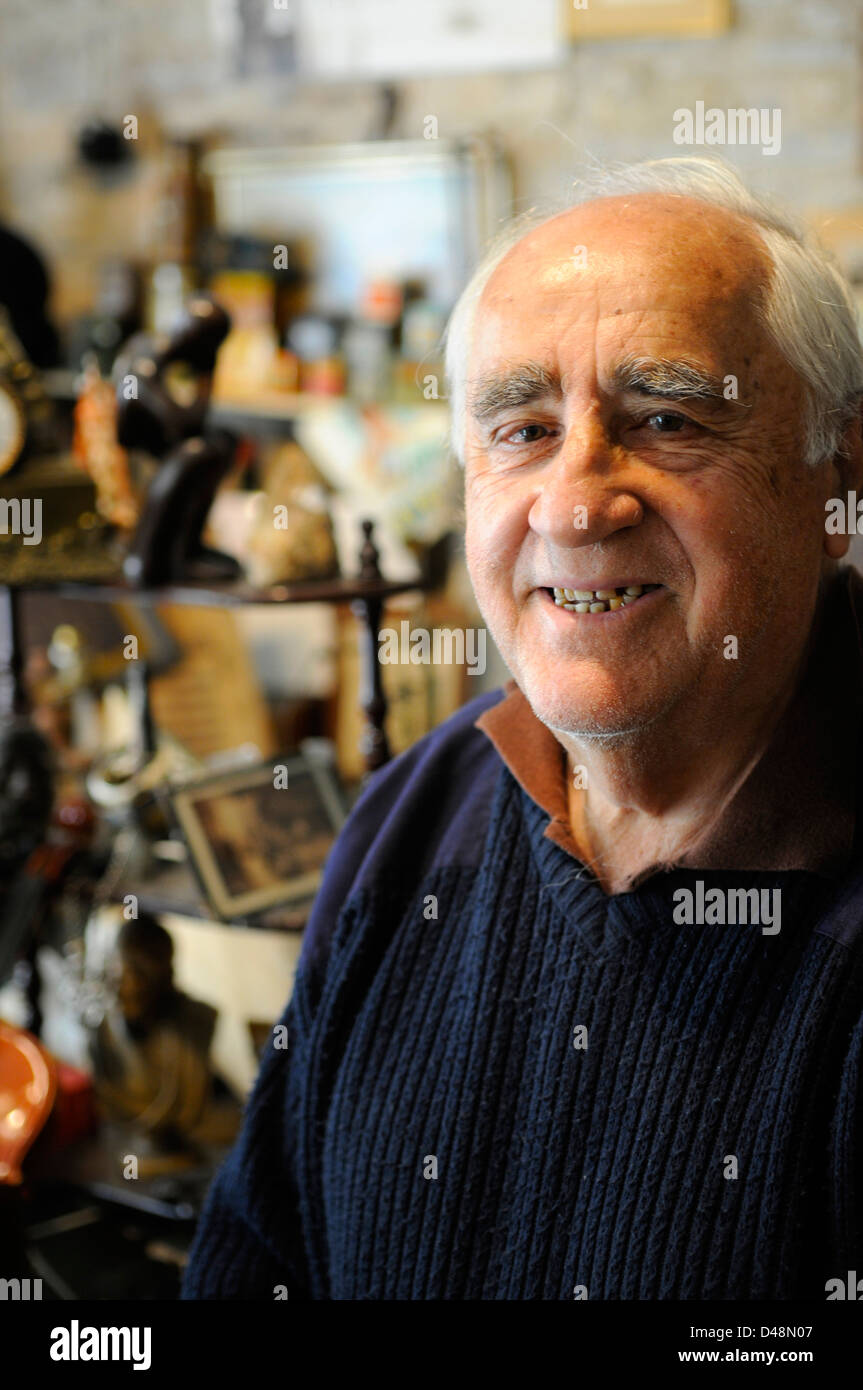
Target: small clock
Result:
[13, 427]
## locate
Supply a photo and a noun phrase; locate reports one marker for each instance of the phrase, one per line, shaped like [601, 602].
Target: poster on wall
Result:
[404, 38]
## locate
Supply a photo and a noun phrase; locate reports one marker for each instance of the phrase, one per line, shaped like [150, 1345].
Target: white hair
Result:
[808, 308]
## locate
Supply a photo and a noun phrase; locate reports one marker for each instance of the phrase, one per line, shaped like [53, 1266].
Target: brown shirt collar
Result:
[797, 807]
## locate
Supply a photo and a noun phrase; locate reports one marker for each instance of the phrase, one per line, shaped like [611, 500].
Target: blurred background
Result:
[231, 232]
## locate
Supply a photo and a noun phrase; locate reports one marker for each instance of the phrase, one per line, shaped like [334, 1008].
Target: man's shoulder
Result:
[426, 809]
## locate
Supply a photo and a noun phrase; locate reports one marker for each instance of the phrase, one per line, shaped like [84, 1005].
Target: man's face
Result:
[630, 423]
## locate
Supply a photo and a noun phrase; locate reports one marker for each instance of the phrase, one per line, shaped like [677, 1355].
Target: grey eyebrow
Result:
[489, 395]
[658, 377]
[665, 379]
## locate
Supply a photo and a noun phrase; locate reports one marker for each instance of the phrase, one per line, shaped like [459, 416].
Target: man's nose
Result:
[584, 496]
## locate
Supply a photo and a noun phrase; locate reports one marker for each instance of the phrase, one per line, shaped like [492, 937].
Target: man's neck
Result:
[645, 800]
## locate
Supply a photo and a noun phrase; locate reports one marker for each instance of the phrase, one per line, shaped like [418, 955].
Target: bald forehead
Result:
[659, 287]
[657, 237]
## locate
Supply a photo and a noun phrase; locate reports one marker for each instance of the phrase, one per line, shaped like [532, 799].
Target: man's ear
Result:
[846, 475]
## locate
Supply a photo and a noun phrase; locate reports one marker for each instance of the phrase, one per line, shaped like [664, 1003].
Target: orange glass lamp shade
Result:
[27, 1088]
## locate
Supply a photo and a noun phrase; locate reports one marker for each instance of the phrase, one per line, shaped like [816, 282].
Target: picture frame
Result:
[255, 843]
[428, 206]
[644, 19]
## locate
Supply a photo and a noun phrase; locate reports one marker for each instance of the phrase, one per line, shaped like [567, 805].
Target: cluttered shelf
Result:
[366, 593]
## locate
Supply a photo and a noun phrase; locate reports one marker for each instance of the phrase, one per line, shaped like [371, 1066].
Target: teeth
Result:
[599, 600]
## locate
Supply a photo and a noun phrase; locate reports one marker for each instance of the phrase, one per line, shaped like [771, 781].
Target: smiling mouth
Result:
[600, 600]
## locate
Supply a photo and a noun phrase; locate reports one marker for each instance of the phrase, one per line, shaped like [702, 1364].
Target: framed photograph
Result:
[401, 209]
[617, 19]
[258, 836]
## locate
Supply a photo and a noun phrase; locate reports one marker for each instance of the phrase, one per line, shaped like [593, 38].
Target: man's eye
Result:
[666, 422]
[527, 434]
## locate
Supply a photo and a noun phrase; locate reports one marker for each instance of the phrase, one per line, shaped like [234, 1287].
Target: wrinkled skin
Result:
[709, 498]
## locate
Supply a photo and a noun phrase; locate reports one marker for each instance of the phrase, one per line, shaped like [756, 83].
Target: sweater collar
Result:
[797, 807]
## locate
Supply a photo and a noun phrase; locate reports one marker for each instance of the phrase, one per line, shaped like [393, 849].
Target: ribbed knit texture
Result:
[557, 1167]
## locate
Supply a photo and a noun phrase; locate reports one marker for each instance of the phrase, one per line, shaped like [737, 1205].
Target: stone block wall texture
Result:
[164, 61]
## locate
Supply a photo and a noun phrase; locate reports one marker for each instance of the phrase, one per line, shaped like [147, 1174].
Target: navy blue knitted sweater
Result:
[501, 1083]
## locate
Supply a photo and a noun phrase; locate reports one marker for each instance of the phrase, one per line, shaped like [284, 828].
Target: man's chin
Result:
[614, 717]
[584, 729]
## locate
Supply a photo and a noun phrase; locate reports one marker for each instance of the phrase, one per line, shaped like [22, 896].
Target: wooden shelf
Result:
[282, 405]
[269, 407]
[366, 593]
[212, 594]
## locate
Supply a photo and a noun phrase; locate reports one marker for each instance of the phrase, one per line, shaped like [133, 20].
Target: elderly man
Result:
[580, 1007]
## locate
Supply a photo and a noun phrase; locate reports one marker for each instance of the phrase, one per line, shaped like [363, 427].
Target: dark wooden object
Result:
[167, 543]
[367, 607]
